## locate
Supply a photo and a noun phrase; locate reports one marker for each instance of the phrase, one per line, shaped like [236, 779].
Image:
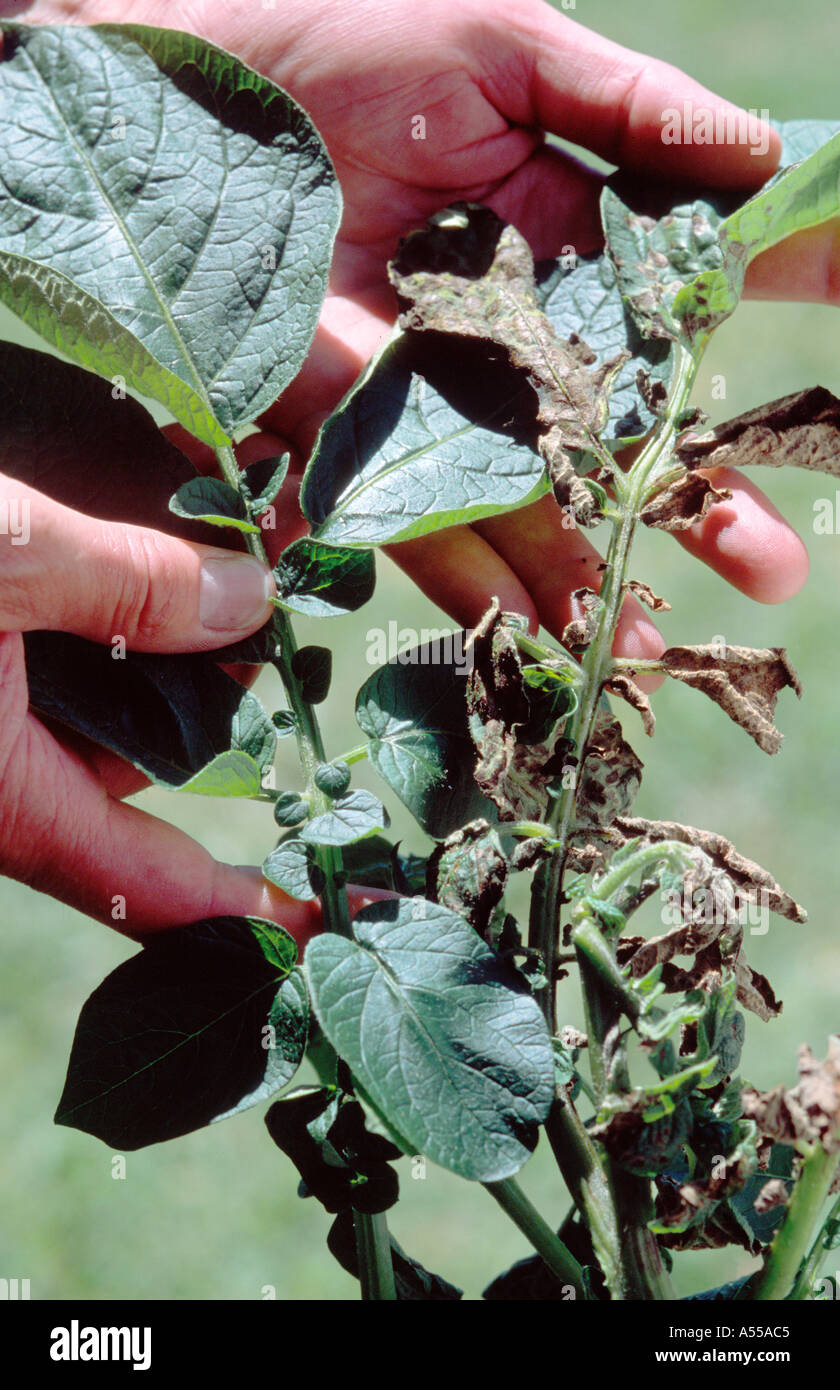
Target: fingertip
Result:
[748, 542]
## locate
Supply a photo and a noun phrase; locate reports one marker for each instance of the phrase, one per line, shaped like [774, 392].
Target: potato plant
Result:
[168, 225]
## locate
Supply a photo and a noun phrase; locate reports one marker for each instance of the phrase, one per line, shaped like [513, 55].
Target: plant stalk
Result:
[373, 1244]
[548, 1246]
[779, 1277]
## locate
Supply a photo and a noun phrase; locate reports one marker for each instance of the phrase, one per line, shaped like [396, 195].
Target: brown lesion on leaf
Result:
[471, 275]
[578, 633]
[744, 681]
[609, 780]
[751, 883]
[802, 429]
[645, 594]
[514, 775]
[809, 1113]
[467, 873]
[683, 503]
[623, 684]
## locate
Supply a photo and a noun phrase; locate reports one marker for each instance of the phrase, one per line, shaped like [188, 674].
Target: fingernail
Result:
[234, 592]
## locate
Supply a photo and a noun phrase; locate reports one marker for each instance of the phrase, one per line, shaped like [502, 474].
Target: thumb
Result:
[99, 579]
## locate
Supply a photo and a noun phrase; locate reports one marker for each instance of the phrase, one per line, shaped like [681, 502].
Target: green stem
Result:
[372, 1240]
[356, 755]
[548, 1246]
[790, 1244]
[578, 1161]
[373, 1245]
[808, 1273]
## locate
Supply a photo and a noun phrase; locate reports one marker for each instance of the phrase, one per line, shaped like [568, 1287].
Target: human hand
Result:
[489, 78]
[64, 827]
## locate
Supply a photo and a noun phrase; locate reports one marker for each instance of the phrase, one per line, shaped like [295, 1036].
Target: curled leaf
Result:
[469, 274]
[750, 880]
[744, 681]
[610, 777]
[644, 592]
[682, 504]
[467, 873]
[810, 1112]
[580, 631]
[628, 689]
[802, 429]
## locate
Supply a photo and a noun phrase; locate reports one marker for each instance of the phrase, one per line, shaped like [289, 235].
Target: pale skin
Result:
[490, 77]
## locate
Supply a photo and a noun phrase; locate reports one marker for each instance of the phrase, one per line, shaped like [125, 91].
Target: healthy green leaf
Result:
[167, 207]
[261, 481]
[168, 715]
[413, 1283]
[204, 1022]
[802, 138]
[414, 713]
[341, 1163]
[323, 581]
[446, 1048]
[350, 818]
[292, 867]
[213, 501]
[427, 437]
[312, 666]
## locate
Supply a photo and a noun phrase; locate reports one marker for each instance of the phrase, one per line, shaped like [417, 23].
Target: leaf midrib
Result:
[198, 383]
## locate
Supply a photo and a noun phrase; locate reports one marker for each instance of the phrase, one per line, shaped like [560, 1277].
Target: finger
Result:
[64, 835]
[100, 579]
[614, 101]
[748, 542]
[805, 267]
[552, 560]
[460, 572]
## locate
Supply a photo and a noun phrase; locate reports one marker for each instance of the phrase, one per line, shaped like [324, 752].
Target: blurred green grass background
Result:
[215, 1215]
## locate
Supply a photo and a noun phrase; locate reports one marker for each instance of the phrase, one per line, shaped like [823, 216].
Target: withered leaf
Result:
[774, 1193]
[627, 688]
[683, 503]
[580, 631]
[744, 681]
[644, 592]
[751, 882]
[468, 273]
[610, 777]
[467, 872]
[802, 429]
[515, 775]
[640, 1146]
[810, 1112]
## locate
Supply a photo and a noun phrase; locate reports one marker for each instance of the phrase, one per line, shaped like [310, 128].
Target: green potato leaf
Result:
[413, 711]
[292, 867]
[169, 215]
[170, 716]
[323, 581]
[445, 1047]
[213, 501]
[350, 818]
[204, 1022]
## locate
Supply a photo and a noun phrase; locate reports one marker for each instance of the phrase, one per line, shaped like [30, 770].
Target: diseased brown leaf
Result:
[610, 777]
[751, 882]
[627, 688]
[802, 429]
[773, 1194]
[810, 1112]
[744, 681]
[644, 592]
[683, 503]
[468, 273]
[580, 631]
[691, 1213]
[513, 774]
[467, 873]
